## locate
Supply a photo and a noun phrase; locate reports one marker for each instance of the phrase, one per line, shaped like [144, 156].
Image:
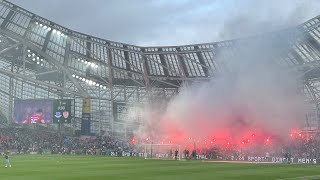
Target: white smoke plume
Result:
[251, 93]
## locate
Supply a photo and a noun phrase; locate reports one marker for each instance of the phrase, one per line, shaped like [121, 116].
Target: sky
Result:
[173, 22]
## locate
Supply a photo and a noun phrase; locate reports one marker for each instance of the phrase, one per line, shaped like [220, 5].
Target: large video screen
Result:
[33, 111]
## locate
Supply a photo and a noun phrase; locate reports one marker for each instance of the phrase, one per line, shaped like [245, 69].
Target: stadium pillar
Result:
[10, 95]
[110, 78]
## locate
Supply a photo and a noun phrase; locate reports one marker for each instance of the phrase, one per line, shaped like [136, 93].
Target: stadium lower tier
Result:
[29, 141]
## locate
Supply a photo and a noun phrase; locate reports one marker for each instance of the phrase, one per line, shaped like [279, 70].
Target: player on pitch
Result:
[6, 156]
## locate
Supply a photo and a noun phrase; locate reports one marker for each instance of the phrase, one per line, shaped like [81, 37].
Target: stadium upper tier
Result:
[41, 59]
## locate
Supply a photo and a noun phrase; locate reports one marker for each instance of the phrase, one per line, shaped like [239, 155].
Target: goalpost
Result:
[162, 151]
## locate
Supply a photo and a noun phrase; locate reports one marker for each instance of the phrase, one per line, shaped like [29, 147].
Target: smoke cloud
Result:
[250, 93]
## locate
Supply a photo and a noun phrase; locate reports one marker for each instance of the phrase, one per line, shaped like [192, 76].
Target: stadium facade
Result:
[43, 60]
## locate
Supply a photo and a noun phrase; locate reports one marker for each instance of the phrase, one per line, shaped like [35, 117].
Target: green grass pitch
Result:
[58, 167]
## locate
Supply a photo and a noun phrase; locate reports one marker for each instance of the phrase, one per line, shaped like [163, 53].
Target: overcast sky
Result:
[173, 22]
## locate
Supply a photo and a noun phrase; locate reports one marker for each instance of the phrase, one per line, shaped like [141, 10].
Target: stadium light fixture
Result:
[41, 25]
[41, 59]
[97, 84]
[29, 55]
[90, 82]
[85, 62]
[33, 54]
[82, 60]
[77, 76]
[89, 63]
[38, 62]
[41, 64]
[73, 75]
[45, 27]
[83, 79]
[94, 83]
[28, 50]
[59, 33]
[33, 59]
[37, 23]
[104, 87]
[54, 31]
[78, 59]
[38, 57]
[101, 85]
[49, 28]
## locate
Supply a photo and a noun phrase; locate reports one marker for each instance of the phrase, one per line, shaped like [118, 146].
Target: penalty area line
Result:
[303, 178]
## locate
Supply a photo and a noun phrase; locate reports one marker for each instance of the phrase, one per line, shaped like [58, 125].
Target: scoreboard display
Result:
[62, 111]
[43, 111]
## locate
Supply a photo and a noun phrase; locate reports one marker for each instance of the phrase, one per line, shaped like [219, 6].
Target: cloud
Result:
[164, 22]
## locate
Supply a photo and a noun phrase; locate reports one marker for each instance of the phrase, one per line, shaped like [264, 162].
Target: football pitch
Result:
[36, 167]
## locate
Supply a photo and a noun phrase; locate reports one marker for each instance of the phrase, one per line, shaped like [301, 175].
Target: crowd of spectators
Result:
[24, 140]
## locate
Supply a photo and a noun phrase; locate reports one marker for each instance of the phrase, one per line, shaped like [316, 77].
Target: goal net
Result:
[162, 151]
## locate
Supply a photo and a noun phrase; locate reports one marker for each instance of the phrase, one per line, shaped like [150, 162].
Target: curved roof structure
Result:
[41, 59]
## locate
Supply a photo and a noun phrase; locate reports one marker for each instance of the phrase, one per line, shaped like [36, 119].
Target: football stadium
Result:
[76, 106]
